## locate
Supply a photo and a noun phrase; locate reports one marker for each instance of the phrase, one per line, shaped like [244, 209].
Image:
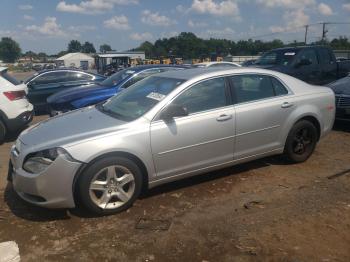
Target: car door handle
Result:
[287, 105]
[224, 118]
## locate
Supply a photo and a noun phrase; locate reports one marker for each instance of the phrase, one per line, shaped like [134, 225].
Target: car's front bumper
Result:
[52, 188]
[343, 107]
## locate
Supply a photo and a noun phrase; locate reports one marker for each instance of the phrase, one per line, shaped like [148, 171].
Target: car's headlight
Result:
[38, 162]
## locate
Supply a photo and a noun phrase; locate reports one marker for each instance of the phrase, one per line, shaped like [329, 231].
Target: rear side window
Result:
[204, 96]
[252, 87]
[310, 55]
[9, 78]
[278, 87]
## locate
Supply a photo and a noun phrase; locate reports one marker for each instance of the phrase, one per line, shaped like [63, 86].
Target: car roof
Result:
[63, 69]
[143, 67]
[214, 62]
[210, 72]
[298, 47]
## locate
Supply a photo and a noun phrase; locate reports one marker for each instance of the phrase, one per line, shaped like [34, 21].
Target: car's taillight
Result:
[15, 95]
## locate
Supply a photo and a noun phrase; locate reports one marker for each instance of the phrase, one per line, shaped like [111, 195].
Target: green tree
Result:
[61, 53]
[88, 48]
[105, 48]
[9, 50]
[74, 46]
[43, 57]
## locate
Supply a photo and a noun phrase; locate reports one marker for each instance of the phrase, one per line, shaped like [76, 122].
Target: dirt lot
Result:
[265, 210]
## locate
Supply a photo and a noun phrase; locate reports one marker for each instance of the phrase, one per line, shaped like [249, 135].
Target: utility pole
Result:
[324, 31]
[306, 29]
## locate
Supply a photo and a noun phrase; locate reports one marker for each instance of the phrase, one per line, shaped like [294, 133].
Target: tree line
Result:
[186, 45]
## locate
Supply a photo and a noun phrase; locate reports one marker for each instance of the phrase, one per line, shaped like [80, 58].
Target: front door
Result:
[203, 138]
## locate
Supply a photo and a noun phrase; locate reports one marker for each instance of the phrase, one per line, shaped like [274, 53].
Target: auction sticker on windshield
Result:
[289, 53]
[156, 96]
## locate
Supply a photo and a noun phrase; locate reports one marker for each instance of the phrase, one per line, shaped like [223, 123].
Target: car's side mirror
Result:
[172, 111]
[303, 62]
[30, 85]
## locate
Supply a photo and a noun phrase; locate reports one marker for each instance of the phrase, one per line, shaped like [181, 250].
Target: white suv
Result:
[15, 110]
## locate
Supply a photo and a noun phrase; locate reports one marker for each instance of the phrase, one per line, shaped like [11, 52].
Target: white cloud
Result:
[49, 28]
[25, 7]
[223, 8]
[226, 33]
[141, 36]
[28, 17]
[325, 9]
[346, 7]
[290, 4]
[92, 6]
[294, 21]
[156, 19]
[180, 8]
[82, 28]
[194, 24]
[117, 22]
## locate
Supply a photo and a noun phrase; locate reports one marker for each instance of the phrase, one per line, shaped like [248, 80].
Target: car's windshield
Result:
[139, 98]
[117, 77]
[9, 78]
[277, 57]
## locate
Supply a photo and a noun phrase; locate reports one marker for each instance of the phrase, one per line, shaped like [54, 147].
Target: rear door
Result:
[202, 139]
[262, 105]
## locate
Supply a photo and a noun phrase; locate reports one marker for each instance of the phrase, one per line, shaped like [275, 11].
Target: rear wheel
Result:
[2, 132]
[301, 141]
[110, 185]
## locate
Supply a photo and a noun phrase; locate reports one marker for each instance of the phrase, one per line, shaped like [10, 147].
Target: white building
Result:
[79, 60]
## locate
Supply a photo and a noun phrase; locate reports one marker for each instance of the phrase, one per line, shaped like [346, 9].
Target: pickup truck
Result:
[313, 64]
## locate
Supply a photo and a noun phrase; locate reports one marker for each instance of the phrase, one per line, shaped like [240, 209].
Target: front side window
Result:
[252, 87]
[49, 78]
[209, 94]
[139, 98]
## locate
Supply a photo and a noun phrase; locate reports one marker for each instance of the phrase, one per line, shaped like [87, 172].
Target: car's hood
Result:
[69, 128]
[75, 93]
[341, 86]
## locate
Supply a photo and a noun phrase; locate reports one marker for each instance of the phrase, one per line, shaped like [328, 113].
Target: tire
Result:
[301, 142]
[104, 191]
[2, 132]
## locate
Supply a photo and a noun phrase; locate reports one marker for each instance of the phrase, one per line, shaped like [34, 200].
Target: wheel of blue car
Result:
[2, 132]
[110, 185]
[301, 141]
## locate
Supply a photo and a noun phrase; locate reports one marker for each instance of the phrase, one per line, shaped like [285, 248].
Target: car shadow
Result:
[26, 211]
[343, 126]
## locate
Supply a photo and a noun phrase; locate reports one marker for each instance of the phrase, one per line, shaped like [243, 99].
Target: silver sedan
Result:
[164, 128]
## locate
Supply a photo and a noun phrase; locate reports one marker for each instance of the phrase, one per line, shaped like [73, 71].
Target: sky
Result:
[48, 25]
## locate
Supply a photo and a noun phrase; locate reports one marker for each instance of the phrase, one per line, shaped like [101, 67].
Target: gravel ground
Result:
[266, 210]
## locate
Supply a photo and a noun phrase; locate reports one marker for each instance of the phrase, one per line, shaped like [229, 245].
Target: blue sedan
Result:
[83, 96]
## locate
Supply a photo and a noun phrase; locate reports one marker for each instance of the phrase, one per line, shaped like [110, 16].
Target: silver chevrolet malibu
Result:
[166, 127]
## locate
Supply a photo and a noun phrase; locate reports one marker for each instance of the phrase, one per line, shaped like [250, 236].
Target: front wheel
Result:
[110, 185]
[301, 141]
